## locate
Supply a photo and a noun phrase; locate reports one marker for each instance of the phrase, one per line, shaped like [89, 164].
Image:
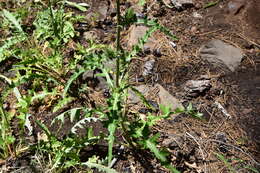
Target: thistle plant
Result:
[53, 29]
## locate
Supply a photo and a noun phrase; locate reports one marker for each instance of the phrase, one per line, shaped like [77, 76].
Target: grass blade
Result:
[72, 78]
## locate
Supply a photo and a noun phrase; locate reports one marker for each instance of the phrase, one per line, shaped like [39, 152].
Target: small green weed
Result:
[233, 169]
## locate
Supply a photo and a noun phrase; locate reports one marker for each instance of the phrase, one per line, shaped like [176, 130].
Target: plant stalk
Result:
[118, 14]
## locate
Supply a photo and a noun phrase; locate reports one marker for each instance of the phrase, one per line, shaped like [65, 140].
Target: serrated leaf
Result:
[99, 167]
[141, 96]
[165, 109]
[13, 20]
[111, 138]
[251, 169]
[72, 78]
[15, 90]
[80, 6]
[44, 128]
[72, 113]
[62, 103]
[141, 2]
[189, 108]
[108, 78]
[211, 4]
[9, 42]
[28, 124]
[80, 124]
[159, 155]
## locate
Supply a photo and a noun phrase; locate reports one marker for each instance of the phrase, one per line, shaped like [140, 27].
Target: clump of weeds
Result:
[40, 65]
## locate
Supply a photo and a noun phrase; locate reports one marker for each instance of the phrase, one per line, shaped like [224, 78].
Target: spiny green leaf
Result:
[15, 90]
[222, 158]
[251, 169]
[141, 2]
[81, 6]
[44, 128]
[80, 124]
[28, 124]
[72, 78]
[159, 155]
[111, 138]
[13, 20]
[99, 167]
[9, 42]
[61, 103]
[211, 4]
[72, 113]
[143, 99]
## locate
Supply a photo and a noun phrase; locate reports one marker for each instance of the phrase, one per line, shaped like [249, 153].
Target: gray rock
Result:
[110, 65]
[221, 55]
[98, 11]
[133, 98]
[166, 99]
[148, 67]
[180, 3]
[234, 6]
[137, 32]
[195, 87]
[95, 34]
[197, 15]
[173, 141]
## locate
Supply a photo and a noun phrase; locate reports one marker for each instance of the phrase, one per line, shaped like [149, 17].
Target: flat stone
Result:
[195, 87]
[137, 32]
[181, 3]
[98, 11]
[234, 6]
[94, 34]
[166, 99]
[173, 141]
[133, 98]
[221, 55]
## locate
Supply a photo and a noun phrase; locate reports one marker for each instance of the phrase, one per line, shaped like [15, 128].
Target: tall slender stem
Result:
[118, 42]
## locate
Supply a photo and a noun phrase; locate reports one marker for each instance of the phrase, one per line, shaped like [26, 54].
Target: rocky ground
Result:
[214, 65]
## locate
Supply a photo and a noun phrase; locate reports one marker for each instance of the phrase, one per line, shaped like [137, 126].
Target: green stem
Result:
[52, 18]
[118, 42]
[4, 115]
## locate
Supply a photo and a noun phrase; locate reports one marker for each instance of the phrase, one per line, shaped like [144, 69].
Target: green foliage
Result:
[41, 62]
[129, 18]
[17, 36]
[99, 167]
[190, 111]
[6, 137]
[226, 162]
[211, 4]
[81, 6]
[233, 169]
[65, 153]
[54, 25]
